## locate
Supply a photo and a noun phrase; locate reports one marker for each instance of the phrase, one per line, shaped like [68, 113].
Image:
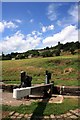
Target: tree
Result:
[77, 45]
[20, 56]
[47, 48]
[72, 51]
[66, 47]
[32, 52]
[3, 56]
[47, 53]
[57, 52]
[13, 55]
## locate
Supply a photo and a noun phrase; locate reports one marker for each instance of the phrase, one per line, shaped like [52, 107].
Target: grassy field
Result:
[36, 67]
[46, 108]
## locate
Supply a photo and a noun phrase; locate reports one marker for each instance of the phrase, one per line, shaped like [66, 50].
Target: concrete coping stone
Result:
[16, 114]
[52, 116]
[11, 113]
[21, 115]
[73, 117]
[26, 115]
[13, 117]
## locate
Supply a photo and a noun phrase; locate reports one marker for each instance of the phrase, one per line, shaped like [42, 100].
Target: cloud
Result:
[68, 34]
[9, 24]
[71, 18]
[1, 27]
[52, 12]
[44, 29]
[47, 28]
[36, 33]
[18, 21]
[5, 24]
[59, 23]
[31, 21]
[19, 43]
[50, 27]
[73, 11]
[33, 32]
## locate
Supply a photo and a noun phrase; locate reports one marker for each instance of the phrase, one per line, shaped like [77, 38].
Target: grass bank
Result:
[36, 67]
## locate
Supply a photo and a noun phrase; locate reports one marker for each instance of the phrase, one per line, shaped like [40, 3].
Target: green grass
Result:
[40, 108]
[36, 67]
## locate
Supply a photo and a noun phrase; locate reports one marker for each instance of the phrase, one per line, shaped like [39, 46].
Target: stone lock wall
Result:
[64, 90]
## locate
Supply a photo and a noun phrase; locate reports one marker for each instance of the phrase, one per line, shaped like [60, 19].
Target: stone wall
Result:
[64, 90]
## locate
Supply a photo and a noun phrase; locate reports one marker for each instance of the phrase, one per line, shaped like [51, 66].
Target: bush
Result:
[57, 52]
[47, 54]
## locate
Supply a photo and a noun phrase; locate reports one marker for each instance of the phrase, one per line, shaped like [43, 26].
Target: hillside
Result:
[72, 48]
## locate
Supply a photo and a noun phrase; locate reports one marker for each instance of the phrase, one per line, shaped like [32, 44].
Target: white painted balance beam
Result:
[19, 93]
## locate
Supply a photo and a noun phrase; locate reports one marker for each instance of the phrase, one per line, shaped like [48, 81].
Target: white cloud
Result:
[73, 11]
[50, 27]
[47, 28]
[59, 23]
[18, 21]
[19, 43]
[36, 33]
[1, 27]
[68, 34]
[5, 24]
[32, 20]
[33, 32]
[39, 33]
[44, 29]
[9, 24]
[52, 12]
[71, 18]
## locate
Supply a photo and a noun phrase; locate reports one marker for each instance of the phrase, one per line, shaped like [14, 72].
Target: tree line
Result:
[46, 52]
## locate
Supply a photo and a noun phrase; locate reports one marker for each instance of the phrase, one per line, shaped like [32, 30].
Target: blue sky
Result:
[26, 26]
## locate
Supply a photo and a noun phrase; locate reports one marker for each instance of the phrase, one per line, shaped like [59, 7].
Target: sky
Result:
[36, 25]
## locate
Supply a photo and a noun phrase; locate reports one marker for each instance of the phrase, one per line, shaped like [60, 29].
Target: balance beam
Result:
[19, 93]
